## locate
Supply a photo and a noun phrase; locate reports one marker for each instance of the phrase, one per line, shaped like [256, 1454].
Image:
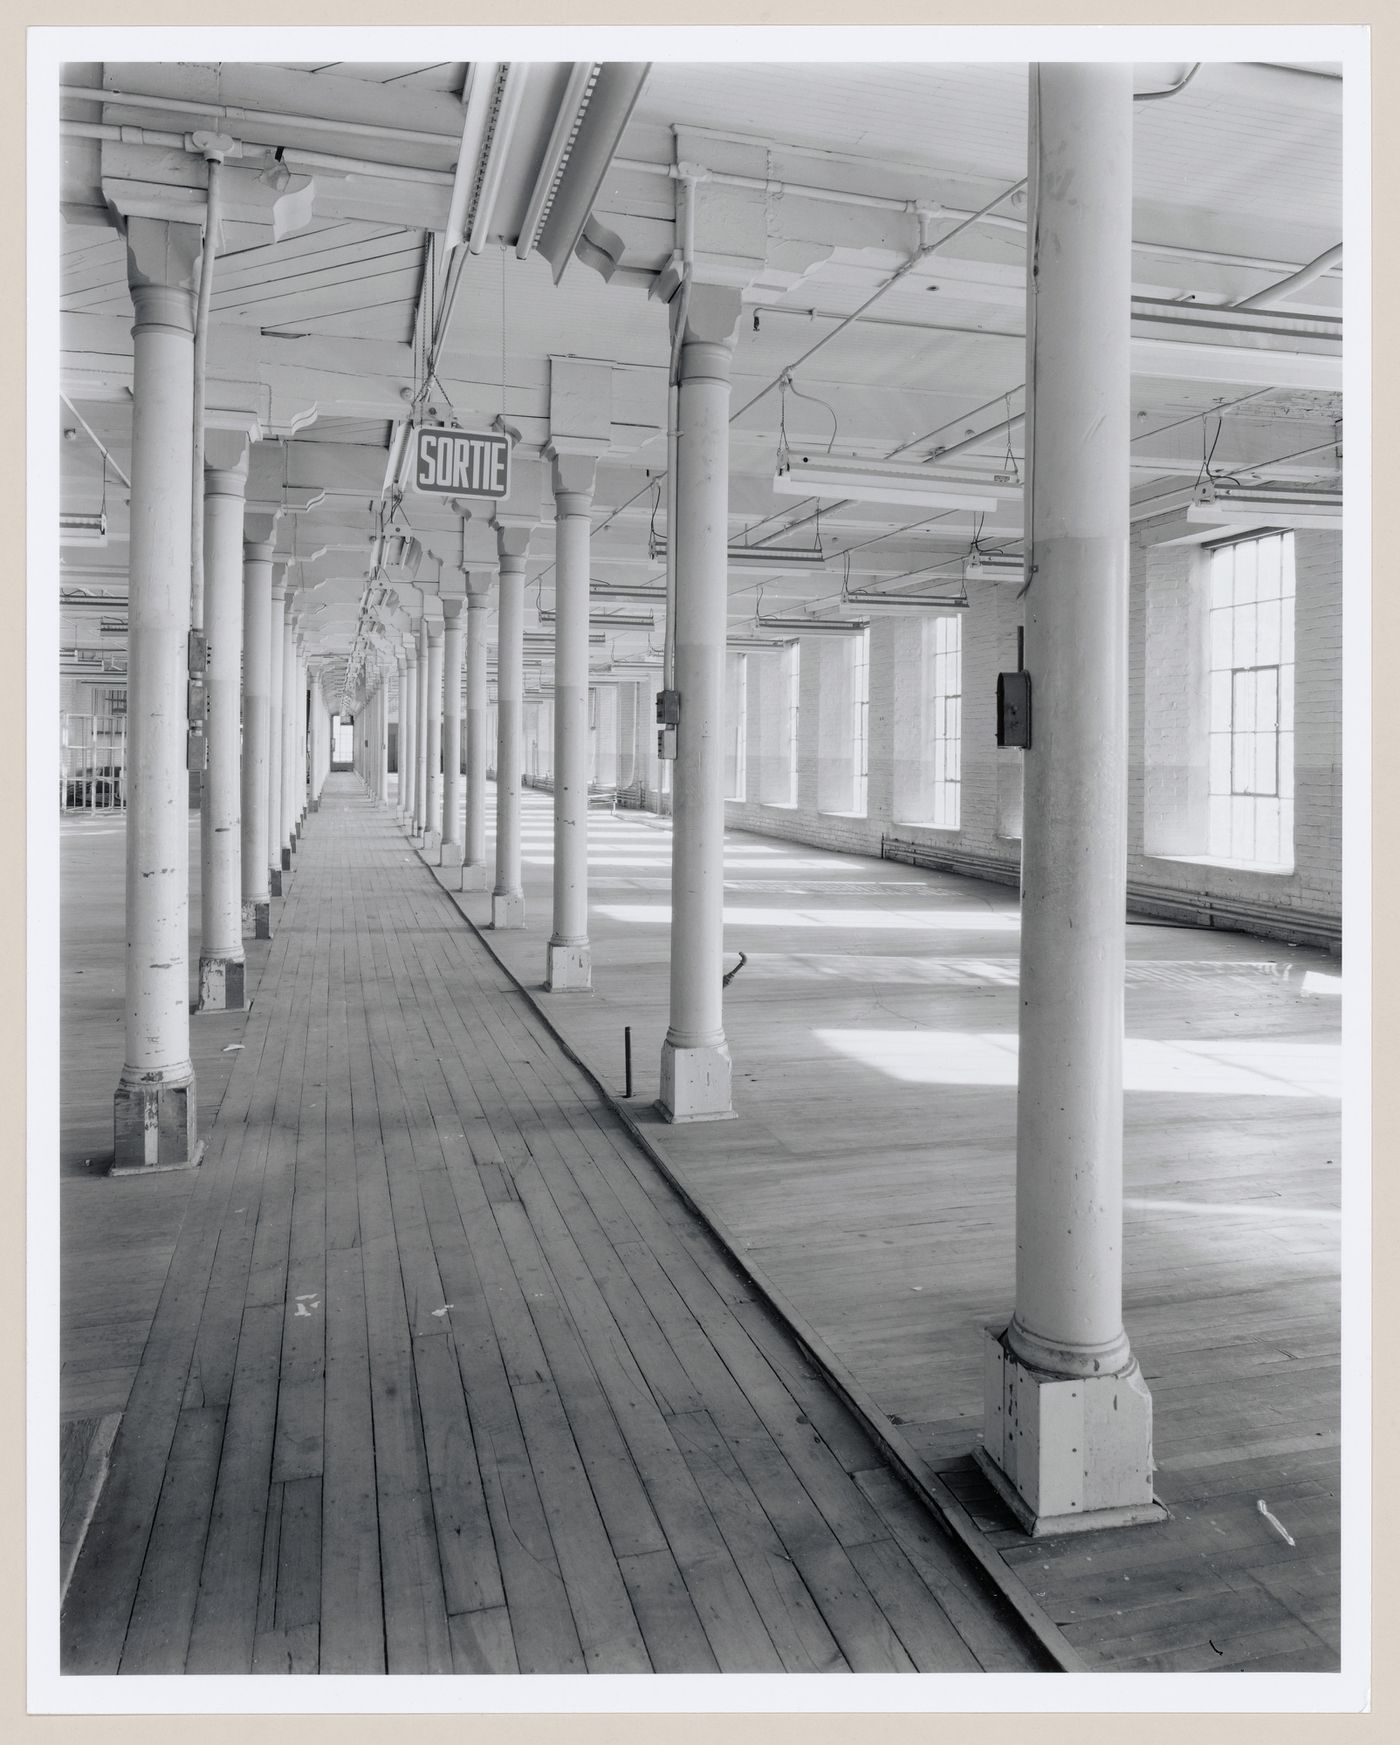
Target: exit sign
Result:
[461, 463]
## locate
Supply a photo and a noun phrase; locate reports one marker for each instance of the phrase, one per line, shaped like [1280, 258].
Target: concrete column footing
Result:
[274, 882]
[451, 854]
[286, 860]
[257, 920]
[153, 1125]
[507, 909]
[432, 842]
[475, 878]
[696, 1083]
[221, 986]
[1067, 1453]
[569, 968]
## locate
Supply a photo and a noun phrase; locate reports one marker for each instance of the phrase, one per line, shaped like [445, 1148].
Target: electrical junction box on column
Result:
[195, 747]
[1014, 709]
[199, 654]
[668, 715]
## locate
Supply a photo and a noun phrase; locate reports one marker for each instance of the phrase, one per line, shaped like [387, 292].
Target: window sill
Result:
[862, 817]
[1268, 869]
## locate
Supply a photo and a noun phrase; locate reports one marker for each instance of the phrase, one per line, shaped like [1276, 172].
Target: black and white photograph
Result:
[689, 698]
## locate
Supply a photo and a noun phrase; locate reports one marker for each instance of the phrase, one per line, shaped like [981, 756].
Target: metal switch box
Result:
[1014, 709]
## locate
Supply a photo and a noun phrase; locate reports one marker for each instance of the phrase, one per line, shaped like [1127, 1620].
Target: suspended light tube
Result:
[906, 602]
[82, 529]
[791, 559]
[654, 592]
[877, 481]
[1228, 505]
[802, 626]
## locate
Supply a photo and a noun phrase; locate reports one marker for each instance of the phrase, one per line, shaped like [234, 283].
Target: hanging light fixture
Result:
[881, 481]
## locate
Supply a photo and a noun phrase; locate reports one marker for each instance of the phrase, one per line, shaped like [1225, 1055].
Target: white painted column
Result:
[508, 896]
[318, 737]
[303, 734]
[257, 678]
[453, 613]
[695, 1065]
[569, 964]
[1068, 1438]
[385, 669]
[475, 874]
[432, 807]
[408, 733]
[420, 734]
[154, 1105]
[401, 672]
[289, 732]
[220, 825]
[277, 643]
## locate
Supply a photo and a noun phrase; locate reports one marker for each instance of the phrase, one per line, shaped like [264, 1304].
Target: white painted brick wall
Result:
[991, 777]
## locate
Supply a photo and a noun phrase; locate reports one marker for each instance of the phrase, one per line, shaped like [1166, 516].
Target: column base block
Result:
[569, 969]
[220, 985]
[1067, 1454]
[451, 854]
[507, 910]
[432, 843]
[475, 877]
[286, 860]
[274, 882]
[696, 1083]
[257, 919]
[153, 1125]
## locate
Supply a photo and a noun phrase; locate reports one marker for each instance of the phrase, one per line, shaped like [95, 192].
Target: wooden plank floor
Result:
[107, 1307]
[869, 1175]
[443, 1377]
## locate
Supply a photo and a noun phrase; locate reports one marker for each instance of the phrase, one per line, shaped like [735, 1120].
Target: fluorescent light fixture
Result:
[1233, 505]
[867, 602]
[756, 644]
[82, 529]
[882, 481]
[545, 638]
[995, 566]
[616, 620]
[654, 592]
[802, 626]
[793, 560]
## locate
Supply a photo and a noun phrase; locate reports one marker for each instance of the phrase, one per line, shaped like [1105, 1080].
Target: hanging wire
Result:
[1208, 457]
[801, 395]
[1011, 465]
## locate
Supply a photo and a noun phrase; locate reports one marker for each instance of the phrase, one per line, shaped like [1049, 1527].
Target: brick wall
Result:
[1161, 766]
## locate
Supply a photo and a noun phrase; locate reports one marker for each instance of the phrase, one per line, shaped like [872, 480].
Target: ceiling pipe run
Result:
[262, 117]
[1274, 294]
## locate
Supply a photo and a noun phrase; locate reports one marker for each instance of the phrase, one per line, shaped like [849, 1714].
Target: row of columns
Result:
[265, 732]
[1068, 1418]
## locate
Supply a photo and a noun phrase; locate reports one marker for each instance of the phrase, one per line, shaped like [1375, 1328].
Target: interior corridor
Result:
[444, 1377]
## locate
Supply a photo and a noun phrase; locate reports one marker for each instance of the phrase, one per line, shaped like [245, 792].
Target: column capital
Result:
[573, 472]
[513, 546]
[162, 255]
[452, 606]
[711, 324]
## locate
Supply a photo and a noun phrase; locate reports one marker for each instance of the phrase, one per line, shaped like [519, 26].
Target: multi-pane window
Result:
[794, 675]
[944, 654]
[860, 720]
[1251, 701]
